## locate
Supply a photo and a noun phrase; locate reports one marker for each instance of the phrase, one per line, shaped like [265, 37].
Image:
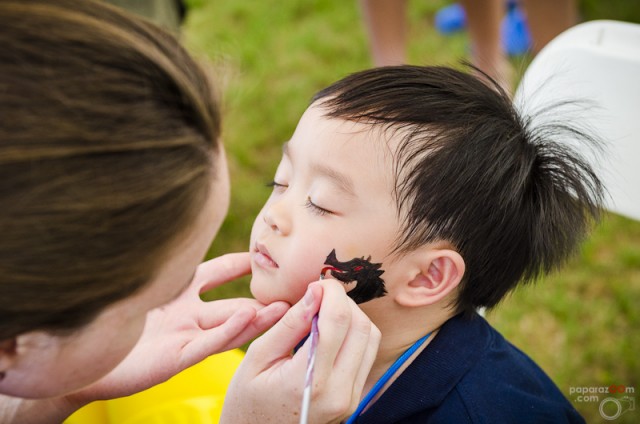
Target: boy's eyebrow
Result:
[341, 180]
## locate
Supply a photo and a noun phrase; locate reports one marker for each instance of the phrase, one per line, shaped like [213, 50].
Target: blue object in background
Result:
[450, 19]
[514, 32]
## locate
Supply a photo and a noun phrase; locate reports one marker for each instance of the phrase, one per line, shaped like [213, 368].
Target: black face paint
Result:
[369, 285]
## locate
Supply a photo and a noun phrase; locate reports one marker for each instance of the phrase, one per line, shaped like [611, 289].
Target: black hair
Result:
[513, 199]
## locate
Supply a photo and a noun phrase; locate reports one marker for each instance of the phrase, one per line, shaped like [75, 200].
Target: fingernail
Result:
[308, 297]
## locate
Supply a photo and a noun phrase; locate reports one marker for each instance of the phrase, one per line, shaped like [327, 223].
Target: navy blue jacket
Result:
[470, 374]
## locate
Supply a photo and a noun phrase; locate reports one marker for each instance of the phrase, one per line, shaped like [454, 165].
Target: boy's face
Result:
[332, 190]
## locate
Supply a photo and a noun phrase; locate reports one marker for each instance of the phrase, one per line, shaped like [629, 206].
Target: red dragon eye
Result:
[358, 268]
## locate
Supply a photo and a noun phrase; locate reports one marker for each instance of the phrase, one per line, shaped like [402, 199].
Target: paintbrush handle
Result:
[308, 381]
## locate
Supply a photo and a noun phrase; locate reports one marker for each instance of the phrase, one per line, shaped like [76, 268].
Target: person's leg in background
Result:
[483, 24]
[385, 23]
[548, 18]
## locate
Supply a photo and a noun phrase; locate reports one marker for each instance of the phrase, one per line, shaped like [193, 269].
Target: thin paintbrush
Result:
[369, 286]
[308, 380]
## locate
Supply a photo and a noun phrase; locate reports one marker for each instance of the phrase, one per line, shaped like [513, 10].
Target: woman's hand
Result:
[186, 331]
[268, 385]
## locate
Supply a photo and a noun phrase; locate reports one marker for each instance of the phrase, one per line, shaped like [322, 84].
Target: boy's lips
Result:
[262, 258]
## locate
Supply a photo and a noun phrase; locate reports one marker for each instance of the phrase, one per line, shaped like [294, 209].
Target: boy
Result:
[432, 173]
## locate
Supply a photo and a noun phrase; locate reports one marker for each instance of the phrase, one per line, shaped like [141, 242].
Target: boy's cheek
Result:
[284, 288]
[298, 273]
[306, 271]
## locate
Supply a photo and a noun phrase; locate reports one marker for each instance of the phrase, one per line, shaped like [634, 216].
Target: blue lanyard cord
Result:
[386, 377]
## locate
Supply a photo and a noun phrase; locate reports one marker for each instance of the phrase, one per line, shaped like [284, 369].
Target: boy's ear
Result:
[437, 272]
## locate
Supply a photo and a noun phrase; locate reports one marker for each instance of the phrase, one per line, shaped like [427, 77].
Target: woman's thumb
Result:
[284, 336]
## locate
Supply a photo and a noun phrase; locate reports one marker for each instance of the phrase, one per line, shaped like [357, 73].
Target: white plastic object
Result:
[598, 62]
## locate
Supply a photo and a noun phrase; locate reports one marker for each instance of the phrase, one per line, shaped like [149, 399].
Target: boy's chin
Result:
[252, 288]
[260, 293]
[265, 293]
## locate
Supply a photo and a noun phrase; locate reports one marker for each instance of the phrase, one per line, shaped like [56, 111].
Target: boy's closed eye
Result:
[276, 185]
[317, 209]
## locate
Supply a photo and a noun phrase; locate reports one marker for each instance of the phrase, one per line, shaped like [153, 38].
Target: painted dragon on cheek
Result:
[366, 274]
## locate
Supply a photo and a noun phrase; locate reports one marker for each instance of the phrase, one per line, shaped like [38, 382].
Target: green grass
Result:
[581, 324]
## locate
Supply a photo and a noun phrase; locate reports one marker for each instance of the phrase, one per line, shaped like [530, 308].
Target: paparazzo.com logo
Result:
[613, 401]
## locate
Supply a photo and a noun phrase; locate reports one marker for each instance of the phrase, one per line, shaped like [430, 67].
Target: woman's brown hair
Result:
[108, 129]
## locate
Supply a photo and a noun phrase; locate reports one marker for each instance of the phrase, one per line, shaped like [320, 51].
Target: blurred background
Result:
[581, 325]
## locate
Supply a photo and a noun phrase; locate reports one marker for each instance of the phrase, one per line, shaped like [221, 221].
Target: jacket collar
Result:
[428, 380]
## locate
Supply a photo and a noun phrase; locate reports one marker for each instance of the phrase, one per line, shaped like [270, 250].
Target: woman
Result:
[113, 183]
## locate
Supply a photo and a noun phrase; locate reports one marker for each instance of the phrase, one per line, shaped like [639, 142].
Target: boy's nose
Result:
[277, 218]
